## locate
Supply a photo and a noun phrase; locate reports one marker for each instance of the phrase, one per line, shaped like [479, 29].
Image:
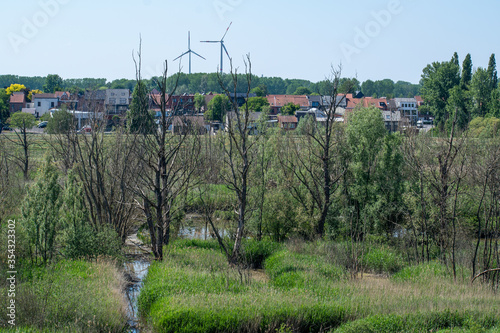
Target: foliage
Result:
[15, 87]
[78, 238]
[484, 127]
[256, 252]
[289, 109]
[437, 81]
[302, 91]
[199, 102]
[256, 104]
[139, 119]
[217, 108]
[33, 92]
[40, 211]
[22, 120]
[53, 83]
[382, 260]
[61, 122]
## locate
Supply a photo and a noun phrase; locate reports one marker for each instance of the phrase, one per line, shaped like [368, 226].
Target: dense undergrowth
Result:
[304, 289]
[69, 296]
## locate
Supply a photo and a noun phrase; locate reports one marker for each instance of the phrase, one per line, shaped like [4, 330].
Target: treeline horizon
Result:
[208, 83]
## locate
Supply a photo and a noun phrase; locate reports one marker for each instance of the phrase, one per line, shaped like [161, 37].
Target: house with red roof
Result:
[17, 101]
[276, 102]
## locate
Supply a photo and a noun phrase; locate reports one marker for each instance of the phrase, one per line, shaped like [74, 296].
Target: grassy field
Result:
[302, 289]
[70, 296]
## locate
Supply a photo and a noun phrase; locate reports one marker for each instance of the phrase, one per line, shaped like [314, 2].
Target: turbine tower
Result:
[189, 51]
[222, 47]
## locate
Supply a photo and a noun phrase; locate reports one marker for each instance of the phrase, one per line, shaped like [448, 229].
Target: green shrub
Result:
[422, 322]
[382, 260]
[292, 270]
[255, 252]
[422, 272]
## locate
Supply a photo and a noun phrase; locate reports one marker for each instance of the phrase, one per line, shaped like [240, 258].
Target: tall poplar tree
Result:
[466, 72]
[492, 72]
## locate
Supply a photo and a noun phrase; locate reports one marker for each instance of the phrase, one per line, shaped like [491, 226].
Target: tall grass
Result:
[195, 290]
[71, 296]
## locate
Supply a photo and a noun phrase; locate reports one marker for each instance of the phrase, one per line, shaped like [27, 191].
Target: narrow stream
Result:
[136, 267]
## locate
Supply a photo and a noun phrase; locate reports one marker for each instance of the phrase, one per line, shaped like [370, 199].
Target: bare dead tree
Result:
[166, 161]
[102, 164]
[238, 153]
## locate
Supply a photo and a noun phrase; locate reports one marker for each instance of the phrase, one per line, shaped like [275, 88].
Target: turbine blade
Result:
[181, 55]
[227, 53]
[198, 54]
[226, 31]
[209, 41]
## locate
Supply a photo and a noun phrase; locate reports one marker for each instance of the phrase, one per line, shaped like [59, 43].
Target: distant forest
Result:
[205, 83]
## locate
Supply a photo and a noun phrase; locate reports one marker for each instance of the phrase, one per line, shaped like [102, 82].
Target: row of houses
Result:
[115, 102]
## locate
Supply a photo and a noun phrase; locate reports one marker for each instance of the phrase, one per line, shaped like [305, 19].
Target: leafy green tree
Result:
[217, 108]
[289, 109]
[494, 105]
[492, 72]
[349, 85]
[302, 91]
[79, 238]
[40, 212]
[23, 122]
[437, 81]
[389, 186]
[139, 119]
[260, 91]
[466, 72]
[4, 106]
[481, 90]
[459, 102]
[53, 83]
[61, 122]
[199, 102]
[455, 60]
[365, 137]
[257, 104]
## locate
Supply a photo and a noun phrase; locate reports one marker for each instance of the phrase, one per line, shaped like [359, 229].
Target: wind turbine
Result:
[222, 47]
[189, 51]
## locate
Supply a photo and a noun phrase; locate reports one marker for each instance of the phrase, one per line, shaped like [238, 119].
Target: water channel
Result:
[139, 259]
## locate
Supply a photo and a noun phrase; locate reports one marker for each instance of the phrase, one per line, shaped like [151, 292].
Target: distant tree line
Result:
[208, 82]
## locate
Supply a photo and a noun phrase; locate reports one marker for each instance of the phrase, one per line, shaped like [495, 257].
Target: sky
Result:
[370, 39]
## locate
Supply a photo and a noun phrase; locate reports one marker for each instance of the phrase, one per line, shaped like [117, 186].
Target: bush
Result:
[255, 252]
[428, 322]
[422, 272]
[382, 260]
[292, 270]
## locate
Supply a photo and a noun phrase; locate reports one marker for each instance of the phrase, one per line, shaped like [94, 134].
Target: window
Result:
[292, 125]
[123, 101]
[112, 101]
[51, 104]
[112, 94]
[39, 104]
[123, 94]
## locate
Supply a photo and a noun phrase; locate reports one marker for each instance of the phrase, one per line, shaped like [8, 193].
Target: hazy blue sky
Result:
[373, 39]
